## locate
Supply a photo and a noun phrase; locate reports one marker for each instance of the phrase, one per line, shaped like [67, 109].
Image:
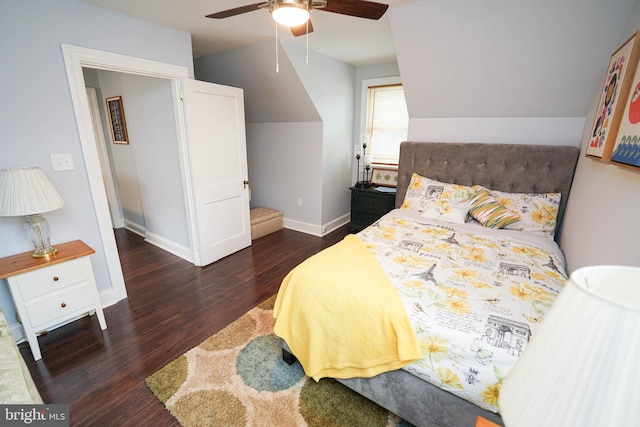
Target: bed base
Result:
[413, 399]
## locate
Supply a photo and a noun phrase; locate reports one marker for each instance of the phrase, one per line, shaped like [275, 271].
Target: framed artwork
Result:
[117, 120]
[626, 149]
[613, 97]
[384, 175]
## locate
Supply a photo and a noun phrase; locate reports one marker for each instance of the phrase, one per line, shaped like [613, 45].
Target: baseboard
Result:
[169, 246]
[316, 230]
[134, 227]
[159, 241]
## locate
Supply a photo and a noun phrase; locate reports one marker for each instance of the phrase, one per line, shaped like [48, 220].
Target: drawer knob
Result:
[63, 305]
[56, 278]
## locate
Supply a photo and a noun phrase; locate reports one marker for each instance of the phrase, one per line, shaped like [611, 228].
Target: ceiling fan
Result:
[295, 13]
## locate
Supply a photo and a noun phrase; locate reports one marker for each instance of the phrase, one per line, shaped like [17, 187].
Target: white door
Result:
[214, 120]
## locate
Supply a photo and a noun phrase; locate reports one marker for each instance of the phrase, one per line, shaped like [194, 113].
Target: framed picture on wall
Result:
[615, 89]
[117, 120]
[626, 149]
[384, 175]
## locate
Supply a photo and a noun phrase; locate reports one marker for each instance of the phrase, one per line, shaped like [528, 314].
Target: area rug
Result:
[237, 378]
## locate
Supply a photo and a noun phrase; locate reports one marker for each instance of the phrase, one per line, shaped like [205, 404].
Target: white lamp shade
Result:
[583, 366]
[27, 191]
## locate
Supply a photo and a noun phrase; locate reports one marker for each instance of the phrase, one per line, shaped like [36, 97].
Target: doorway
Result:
[77, 58]
[213, 116]
[142, 176]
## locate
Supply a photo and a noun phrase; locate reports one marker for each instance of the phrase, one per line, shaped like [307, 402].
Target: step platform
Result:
[264, 221]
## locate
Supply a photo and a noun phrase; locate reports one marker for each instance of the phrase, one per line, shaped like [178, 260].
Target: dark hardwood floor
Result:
[171, 307]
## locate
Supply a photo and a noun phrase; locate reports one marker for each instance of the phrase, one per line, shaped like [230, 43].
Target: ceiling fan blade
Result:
[358, 8]
[237, 10]
[301, 30]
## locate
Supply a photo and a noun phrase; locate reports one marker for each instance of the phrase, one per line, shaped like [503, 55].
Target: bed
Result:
[473, 287]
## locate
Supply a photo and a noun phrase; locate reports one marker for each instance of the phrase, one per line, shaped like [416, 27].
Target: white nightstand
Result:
[48, 292]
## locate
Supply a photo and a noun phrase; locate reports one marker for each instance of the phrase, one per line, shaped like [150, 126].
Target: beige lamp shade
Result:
[582, 368]
[27, 191]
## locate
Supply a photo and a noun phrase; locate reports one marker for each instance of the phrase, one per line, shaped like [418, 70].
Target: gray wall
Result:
[601, 221]
[499, 75]
[299, 129]
[331, 87]
[147, 170]
[522, 72]
[38, 117]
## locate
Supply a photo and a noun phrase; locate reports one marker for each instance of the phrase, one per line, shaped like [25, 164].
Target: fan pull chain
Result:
[277, 59]
[307, 58]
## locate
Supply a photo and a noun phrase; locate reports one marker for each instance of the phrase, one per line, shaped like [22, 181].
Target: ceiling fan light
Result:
[290, 14]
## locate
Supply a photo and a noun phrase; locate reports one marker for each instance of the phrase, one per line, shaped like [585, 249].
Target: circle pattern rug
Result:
[237, 378]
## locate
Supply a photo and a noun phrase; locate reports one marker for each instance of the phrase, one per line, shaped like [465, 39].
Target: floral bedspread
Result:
[475, 296]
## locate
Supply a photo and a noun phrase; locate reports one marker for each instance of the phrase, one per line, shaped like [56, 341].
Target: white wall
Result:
[601, 222]
[503, 71]
[38, 117]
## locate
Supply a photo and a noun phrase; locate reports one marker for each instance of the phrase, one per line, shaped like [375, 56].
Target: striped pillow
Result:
[488, 211]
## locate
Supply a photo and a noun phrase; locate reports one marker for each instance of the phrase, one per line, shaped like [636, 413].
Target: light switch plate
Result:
[62, 162]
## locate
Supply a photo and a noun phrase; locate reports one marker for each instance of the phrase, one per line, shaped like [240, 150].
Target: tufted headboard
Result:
[513, 168]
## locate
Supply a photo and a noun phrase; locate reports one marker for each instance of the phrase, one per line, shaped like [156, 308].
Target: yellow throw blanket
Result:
[341, 316]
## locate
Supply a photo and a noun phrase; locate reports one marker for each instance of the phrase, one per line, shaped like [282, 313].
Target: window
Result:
[387, 121]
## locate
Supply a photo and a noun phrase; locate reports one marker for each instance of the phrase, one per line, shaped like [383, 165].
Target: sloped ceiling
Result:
[505, 58]
[274, 96]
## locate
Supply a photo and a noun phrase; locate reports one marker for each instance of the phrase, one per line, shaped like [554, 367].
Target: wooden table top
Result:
[24, 262]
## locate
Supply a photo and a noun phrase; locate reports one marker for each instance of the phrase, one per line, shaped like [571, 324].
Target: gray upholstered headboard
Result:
[514, 168]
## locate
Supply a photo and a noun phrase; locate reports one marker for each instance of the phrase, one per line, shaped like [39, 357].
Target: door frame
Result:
[76, 58]
[107, 177]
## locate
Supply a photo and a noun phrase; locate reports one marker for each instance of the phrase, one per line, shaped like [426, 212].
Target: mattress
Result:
[474, 295]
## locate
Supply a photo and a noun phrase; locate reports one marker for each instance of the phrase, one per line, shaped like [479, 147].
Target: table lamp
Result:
[582, 368]
[26, 191]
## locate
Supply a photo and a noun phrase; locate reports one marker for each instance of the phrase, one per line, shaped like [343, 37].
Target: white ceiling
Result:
[356, 41]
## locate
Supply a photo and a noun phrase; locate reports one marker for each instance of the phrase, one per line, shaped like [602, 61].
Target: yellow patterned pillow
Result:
[438, 200]
[488, 211]
[539, 211]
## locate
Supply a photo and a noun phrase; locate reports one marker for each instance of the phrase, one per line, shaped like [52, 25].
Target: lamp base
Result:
[47, 252]
[37, 229]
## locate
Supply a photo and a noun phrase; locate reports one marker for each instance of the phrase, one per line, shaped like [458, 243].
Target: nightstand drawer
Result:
[368, 205]
[372, 203]
[59, 305]
[53, 278]
[364, 217]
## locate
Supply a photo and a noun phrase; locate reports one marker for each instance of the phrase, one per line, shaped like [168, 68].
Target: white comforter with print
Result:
[474, 295]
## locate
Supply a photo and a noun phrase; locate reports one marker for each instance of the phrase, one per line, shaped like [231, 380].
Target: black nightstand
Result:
[368, 205]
